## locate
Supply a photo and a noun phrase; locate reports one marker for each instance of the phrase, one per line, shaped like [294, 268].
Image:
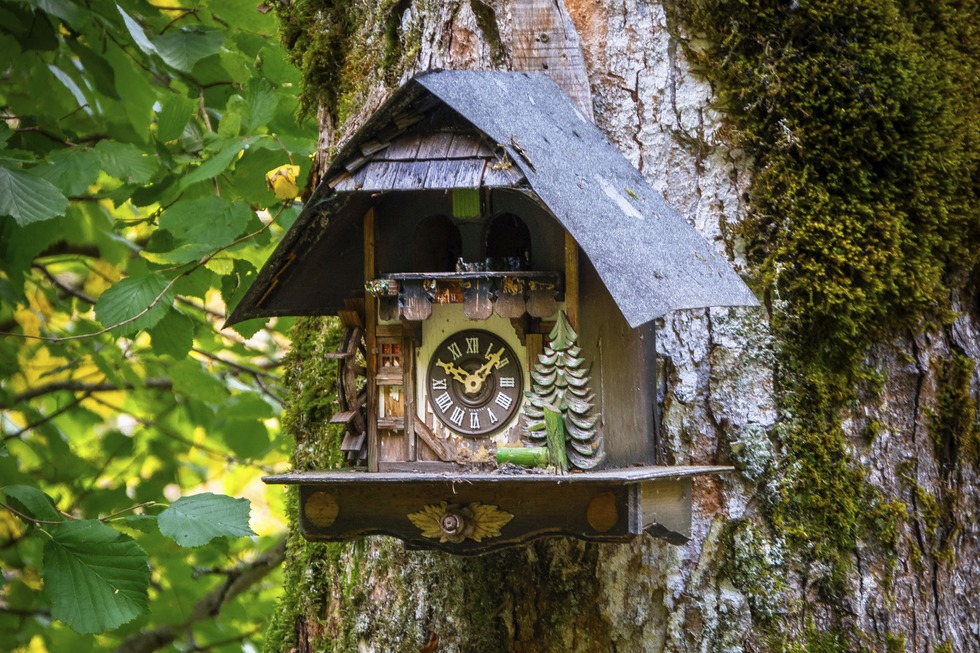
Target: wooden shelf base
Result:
[470, 513]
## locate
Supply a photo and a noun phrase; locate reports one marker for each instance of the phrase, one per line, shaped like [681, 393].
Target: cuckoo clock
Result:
[497, 265]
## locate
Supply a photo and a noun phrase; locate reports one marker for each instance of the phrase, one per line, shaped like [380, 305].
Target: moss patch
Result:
[863, 119]
[343, 48]
[954, 425]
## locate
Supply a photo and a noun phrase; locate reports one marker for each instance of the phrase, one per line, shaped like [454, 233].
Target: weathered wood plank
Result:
[414, 302]
[625, 475]
[435, 145]
[571, 280]
[343, 417]
[477, 304]
[439, 447]
[403, 148]
[370, 319]
[541, 302]
[497, 175]
[464, 146]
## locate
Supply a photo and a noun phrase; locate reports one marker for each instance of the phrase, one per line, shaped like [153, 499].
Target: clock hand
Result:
[492, 361]
[459, 374]
[475, 380]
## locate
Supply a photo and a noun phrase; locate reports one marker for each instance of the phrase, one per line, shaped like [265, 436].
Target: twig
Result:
[185, 14]
[233, 364]
[74, 292]
[204, 261]
[47, 418]
[239, 579]
[89, 388]
[26, 518]
[214, 453]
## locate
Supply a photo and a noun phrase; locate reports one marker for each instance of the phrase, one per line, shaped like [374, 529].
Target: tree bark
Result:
[742, 583]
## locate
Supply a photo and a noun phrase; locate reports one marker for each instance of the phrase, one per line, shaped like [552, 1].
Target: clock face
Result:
[474, 382]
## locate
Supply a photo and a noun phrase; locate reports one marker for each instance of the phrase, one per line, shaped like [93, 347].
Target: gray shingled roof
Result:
[651, 260]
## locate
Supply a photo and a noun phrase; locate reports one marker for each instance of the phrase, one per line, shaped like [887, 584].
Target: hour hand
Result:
[453, 371]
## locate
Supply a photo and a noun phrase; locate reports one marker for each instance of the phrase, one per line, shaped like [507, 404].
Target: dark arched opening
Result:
[437, 245]
[508, 243]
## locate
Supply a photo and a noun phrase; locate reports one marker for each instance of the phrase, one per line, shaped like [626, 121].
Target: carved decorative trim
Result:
[450, 522]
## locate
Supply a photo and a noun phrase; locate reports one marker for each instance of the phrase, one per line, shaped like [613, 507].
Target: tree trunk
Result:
[778, 561]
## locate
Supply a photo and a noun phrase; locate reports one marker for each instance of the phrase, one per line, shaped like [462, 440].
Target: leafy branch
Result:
[238, 579]
[162, 293]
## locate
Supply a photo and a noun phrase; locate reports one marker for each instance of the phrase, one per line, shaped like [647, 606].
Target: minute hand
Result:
[492, 361]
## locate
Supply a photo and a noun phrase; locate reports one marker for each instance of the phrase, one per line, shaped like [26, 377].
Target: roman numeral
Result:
[457, 416]
[439, 384]
[474, 420]
[507, 382]
[444, 401]
[493, 418]
[503, 400]
[472, 345]
[504, 362]
[455, 350]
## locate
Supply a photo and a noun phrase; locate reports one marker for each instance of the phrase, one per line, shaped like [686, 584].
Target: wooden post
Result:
[571, 280]
[408, 372]
[370, 343]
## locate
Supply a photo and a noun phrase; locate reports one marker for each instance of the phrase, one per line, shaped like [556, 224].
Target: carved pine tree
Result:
[560, 381]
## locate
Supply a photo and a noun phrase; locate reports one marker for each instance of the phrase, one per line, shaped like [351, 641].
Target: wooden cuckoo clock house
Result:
[497, 265]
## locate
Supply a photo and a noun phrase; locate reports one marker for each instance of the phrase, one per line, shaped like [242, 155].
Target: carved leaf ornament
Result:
[455, 523]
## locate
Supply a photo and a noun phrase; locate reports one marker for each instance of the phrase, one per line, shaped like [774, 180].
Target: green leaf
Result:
[174, 114]
[96, 67]
[201, 226]
[95, 577]
[191, 381]
[198, 519]
[185, 47]
[28, 199]
[262, 99]
[138, 95]
[173, 335]
[217, 164]
[246, 406]
[248, 439]
[131, 297]
[32, 503]
[139, 36]
[127, 162]
[72, 171]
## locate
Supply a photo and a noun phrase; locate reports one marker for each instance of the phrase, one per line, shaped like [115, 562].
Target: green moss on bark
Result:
[344, 47]
[863, 119]
[954, 424]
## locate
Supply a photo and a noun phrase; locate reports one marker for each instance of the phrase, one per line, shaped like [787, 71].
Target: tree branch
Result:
[81, 386]
[239, 579]
[63, 287]
[47, 418]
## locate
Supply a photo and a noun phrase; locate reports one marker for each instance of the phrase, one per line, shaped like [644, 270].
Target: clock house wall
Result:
[407, 225]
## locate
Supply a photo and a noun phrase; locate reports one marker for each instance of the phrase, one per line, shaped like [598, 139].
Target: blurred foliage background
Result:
[134, 210]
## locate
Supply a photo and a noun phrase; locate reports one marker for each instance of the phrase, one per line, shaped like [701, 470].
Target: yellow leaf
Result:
[36, 313]
[282, 181]
[101, 275]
